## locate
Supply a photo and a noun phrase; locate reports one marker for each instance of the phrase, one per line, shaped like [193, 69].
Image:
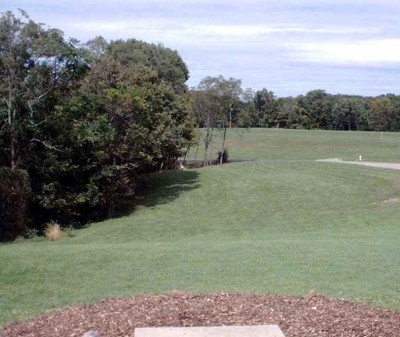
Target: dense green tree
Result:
[165, 61]
[318, 107]
[246, 116]
[385, 113]
[267, 109]
[127, 121]
[79, 125]
[349, 113]
[294, 117]
[34, 64]
[39, 70]
[14, 191]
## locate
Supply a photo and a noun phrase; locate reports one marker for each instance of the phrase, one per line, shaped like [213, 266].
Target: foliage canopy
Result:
[84, 121]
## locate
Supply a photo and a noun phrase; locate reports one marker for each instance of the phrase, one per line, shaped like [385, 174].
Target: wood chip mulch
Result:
[307, 316]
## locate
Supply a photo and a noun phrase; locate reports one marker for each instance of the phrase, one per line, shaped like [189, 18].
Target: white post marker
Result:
[212, 331]
[360, 157]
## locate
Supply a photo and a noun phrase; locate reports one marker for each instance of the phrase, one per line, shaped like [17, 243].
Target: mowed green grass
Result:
[281, 144]
[281, 224]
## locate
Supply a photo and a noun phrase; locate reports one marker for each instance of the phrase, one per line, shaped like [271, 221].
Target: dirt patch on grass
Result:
[297, 316]
[391, 201]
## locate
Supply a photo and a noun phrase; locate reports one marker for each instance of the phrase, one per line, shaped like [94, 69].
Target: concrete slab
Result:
[214, 331]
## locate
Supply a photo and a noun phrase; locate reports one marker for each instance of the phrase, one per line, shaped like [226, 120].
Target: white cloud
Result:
[222, 29]
[364, 52]
[249, 30]
[350, 46]
[184, 33]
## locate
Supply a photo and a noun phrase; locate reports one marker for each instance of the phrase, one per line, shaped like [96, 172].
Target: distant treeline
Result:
[219, 101]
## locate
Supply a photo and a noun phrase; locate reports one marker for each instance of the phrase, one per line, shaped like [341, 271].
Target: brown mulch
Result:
[307, 316]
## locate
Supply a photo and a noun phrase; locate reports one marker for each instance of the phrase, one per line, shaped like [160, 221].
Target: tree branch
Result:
[34, 100]
[46, 145]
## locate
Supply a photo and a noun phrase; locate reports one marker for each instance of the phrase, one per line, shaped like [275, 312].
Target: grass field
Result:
[281, 144]
[277, 222]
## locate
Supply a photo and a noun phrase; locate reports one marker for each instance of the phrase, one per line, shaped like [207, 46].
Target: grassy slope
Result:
[281, 144]
[269, 227]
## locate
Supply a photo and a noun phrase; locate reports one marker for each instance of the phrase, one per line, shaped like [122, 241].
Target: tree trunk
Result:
[197, 150]
[207, 142]
[211, 146]
[11, 122]
[14, 155]
[223, 146]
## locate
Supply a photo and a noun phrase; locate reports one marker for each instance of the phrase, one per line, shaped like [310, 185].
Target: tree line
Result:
[220, 102]
[80, 122]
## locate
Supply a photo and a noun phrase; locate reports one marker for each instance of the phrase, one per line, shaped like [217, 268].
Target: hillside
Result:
[274, 221]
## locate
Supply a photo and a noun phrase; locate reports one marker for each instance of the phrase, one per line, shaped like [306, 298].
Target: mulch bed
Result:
[307, 316]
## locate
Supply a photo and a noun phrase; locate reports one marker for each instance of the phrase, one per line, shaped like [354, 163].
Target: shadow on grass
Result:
[164, 187]
[152, 190]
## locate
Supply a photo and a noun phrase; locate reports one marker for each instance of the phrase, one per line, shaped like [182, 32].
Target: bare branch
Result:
[48, 146]
[34, 100]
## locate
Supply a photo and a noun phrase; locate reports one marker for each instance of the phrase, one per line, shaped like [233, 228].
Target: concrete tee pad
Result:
[213, 331]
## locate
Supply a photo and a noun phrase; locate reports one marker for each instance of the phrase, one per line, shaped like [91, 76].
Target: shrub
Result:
[31, 233]
[53, 232]
[224, 154]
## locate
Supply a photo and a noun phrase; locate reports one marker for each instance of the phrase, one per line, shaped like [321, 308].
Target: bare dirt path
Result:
[311, 316]
[393, 166]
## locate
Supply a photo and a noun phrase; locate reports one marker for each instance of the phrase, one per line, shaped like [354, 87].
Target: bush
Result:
[224, 156]
[53, 232]
[14, 191]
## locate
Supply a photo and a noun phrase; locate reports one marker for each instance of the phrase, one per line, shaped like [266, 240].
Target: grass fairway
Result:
[281, 144]
[281, 223]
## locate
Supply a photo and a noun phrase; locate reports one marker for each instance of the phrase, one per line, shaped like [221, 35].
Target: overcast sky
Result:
[287, 46]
